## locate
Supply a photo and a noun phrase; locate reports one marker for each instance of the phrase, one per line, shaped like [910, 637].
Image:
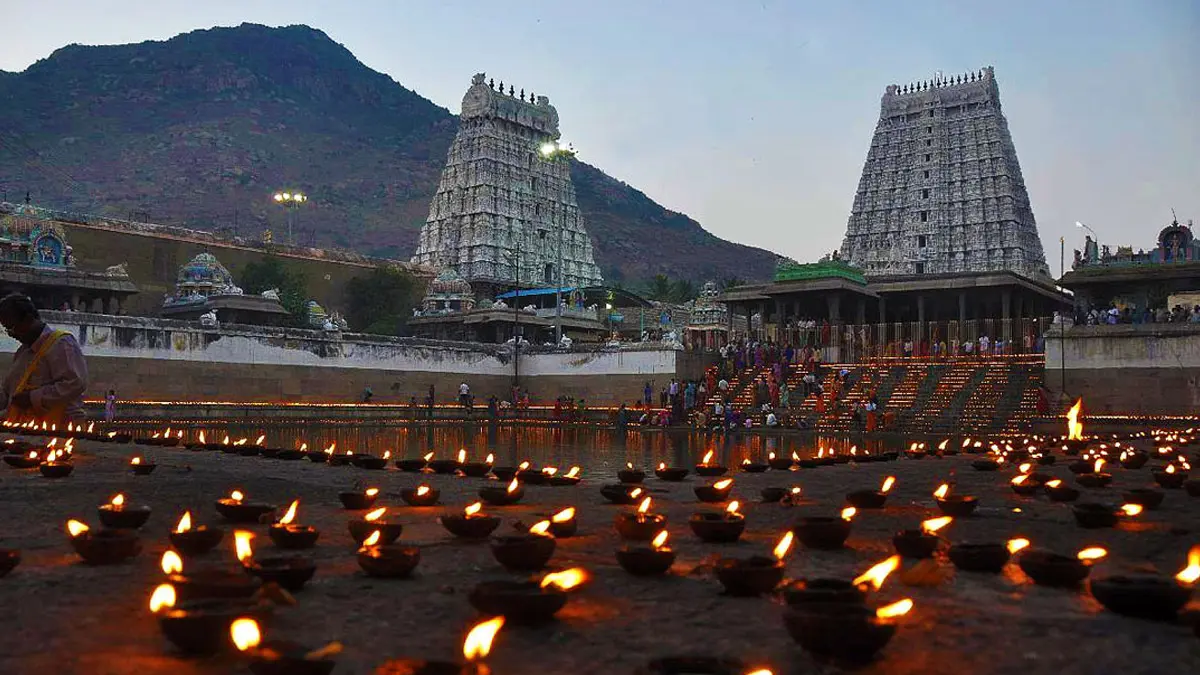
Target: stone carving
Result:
[448, 293]
[271, 294]
[121, 270]
[941, 190]
[202, 277]
[209, 319]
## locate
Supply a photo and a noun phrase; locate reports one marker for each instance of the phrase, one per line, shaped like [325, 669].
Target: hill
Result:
[200, 129]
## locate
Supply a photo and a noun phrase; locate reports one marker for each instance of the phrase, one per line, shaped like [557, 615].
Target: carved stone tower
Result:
[942, 191]
[504, 207]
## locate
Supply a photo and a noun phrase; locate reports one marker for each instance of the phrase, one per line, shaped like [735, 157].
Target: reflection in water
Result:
[590, 448]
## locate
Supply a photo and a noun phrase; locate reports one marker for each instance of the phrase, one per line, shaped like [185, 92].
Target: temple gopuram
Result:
[35, 259]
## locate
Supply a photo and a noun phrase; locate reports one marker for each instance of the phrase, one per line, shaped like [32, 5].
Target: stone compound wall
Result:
[153, 359]
[1148, 369]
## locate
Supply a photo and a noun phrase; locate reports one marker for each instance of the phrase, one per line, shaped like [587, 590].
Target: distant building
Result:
[941, 190]
[204, 289]
[505, 212]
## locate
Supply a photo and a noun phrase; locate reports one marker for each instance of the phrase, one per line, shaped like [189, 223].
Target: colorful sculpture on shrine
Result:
[28, 239]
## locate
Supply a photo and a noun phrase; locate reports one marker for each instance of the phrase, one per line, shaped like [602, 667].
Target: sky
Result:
[754, 116]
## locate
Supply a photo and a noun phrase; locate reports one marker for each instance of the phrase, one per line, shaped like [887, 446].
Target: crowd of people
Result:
[1112, 315]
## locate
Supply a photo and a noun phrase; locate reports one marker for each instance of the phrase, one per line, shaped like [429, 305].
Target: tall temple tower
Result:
[942, 191]
[505, 212]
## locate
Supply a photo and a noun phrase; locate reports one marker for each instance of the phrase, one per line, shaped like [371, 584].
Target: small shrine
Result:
[708, 324]
[448, 293]
[204, 289]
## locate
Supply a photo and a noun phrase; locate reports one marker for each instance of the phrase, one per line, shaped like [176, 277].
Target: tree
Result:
[660, 288]
[683, 291]
[729, 283]
[381, 301]
[271, 273]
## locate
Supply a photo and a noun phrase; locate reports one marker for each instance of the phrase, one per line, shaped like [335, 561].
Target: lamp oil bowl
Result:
[118, 515]
[772, 495]
[359, 501]
[707, 468]
[505, 473]
[821, 591]
[476, 469]
[1134, 459]
[422, 495]
[780, 462]
[1094, 516]
[1025, 484]
[1147, 498]
[201, 627]
[751, 576]
[563, 524]
[235, 509]
[341, 459]
[714, 493]
[392, 561]
[671, 474]
[521, 602]
[290, 572]
[9, 559]
[318, 456]
[281, 657]
[56, 468]
[639, 526]
[1080, 466]
[411, 465]
[210, 583]
[105, 547]
[194, 541]
[141, 467]
[646, 561]
[1094, 479]
[523, 552]
[957, 506]
[621, 493]
[293, 536]
[1144, 597]
[370, 462]
[719, 527]
[693, 665]
[842, 632]
[1170, 478]
[917, 544]
[27, 461]
[1059, 491]
[471, 523]
[444, 466]
[867, 499]
[987, 558]
[823, 533]
[497, 495]
[631, 476]
[363, 527]
[754, 467]
[1051, 569]
[985, 465]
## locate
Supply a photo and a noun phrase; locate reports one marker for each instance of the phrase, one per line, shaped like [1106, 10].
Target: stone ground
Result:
[64, 617]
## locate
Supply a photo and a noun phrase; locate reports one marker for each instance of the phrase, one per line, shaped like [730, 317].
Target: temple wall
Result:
[1143, 369]
[163, 360]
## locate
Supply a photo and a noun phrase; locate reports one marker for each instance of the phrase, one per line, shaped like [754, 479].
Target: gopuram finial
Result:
[492, 83]
[510, 90]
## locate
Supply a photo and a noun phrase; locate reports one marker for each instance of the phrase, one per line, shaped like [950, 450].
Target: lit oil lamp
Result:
[495, 495]
[290, 572]
[778, 462]
[507, 473]
[825, 533]
[1025, 484]
[706, 467]
[527, 551]
[280, 657]
[651, 560]
[822, 591]
[106, 547]
[1170, 477]
[871, 499]
[717, 492]
[422, 495]
[773, 494]
[56, 465]
[1095, 478]
[472, 523]
[570, 477]
[1075, 443]
[956, 506]
[236, 509]
[197, 540]
[563, 524]
[359, 500]
[476, 647]
[372, 462]
[1133, 459]
[527, 602]
[200, 627]
[230, 447]
[342, 459]
[718, 527]
[988, 557]
[1090, 515]
[753, 467]
[246, 449]
[206, 583]
[9, 559]
[372, 521]
[640, 524]
[1147, 498]
[988, 463]
[630, 475]
[479, 469]
[920, 543]
[538, 477]
[1149, 596]
[322, 456]
[414, 465]
[812, 462]
[1051, 569]
[1060, 492]
[387, 561]
[141, 467]
[916, 451]
[622, 494]
[288, 534]
[118, 515]
[30, 460]
[845, 633]
[672, 474]
[448, 466]
[754, 575]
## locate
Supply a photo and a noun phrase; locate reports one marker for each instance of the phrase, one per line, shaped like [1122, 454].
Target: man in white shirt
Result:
[464, 395]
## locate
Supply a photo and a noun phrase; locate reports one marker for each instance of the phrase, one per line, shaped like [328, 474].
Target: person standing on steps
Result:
[110, 405]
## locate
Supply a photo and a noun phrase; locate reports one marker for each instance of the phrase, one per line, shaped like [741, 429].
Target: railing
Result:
[573, 312]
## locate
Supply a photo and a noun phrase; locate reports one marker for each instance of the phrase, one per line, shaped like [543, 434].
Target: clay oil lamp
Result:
[944, 449]
[920, 543]
[1024, 484]
[916, 451]
[1133, 459]
[525, 552]
[630, 475]
[987, 464]
[822, 591]
[245, 449]
[472, 523]
[779, 463]
[141, 467]
[507, 473]
[527, 602]
[1147, 596]
[1092, 516]
[372, 521]
[717, 492]
[845, 633]
[280, 657]
[448, 466]
[359, 501]
[646, 561]
[502, 496]
[707, 468]
[289, 535]
[118, 515]
[479, 469]
[640, 524]
[622, 494]
[672, 474]
[206, 583]
[1170, 477]
[538, 477]
[871, 499]
[106, 547]
[774, 495]
[387, 561]
[55, 466]
[754, 575]
[372, 462]
[476, 647]
[1051, 569]
[956, 506]
[563, 524]
[811, 462]
[1148, 498]
[412, 465]
[1060, 492]
[1043, 458]
[230, 448]
[194, 541]
[825, 533]
[988, 558]
[1096, 478]
[9, 559]
[26, 461]
[422, 495]
[753, 467]
[14, 446]
[723, 527]
[344, 459]
[322, 456]
[200, 627]
[571, 477]
[1075, 442]
[236, 509]
[290, 572]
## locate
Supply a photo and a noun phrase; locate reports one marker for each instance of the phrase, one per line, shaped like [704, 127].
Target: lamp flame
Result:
[899, 608]
[236, 496]
[76, 528]
[1053, 483]
[723, 484]
[241, 543]
[733, 507]
[371, 492]
[1017, 544]
[879, 572]
[848, 513]
[1024, 468]
[185, 522]
[375, 515]
[644, 507]
[1092, 553]
[118, 501]
[428, 456]
[512, 487]
[490, 459]
[942, 491]
[660, 541]
[473, 509]
[135, 461]
[479, 641]
[202, 437]
[1098, 465]
[162, 598]
[566, 579]
[422, 490]
[1020, 480]
[784, 545]
[462, 456]
[629, 465]
[573, 472]
[1190, 574]
[171, 562]
[564, 516]
[662, 465]
[1131, 509]
[934, 524]
[707, 458]
[887, 483]
[372, 539]
[523, 465]
[245, 634]
[260, 439]
[387, 454]
[1074, 426]
[291, 513]
[542, 528]
[633, 494]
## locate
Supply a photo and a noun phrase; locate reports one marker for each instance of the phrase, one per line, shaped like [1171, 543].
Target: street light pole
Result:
[558, 151]
[290, 201]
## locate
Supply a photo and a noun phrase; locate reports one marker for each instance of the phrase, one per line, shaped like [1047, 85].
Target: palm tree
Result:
[660, 288]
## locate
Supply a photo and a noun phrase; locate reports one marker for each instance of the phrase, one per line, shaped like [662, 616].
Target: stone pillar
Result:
[835, 308]
[962, 306]
[1005, 304]
[921, 309]
[861, 315]
[882, 310]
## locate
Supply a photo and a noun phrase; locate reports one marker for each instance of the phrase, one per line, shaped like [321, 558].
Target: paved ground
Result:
[64, 617]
